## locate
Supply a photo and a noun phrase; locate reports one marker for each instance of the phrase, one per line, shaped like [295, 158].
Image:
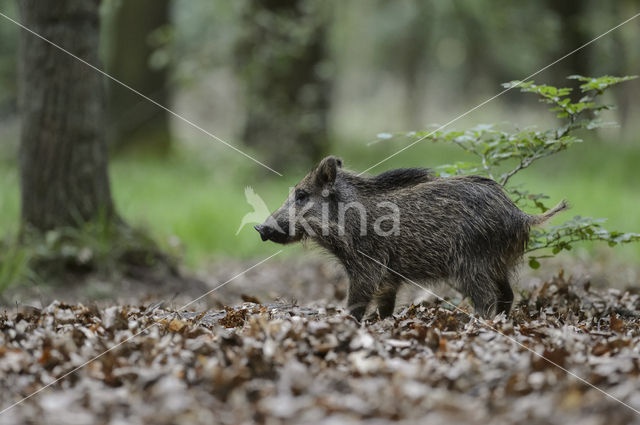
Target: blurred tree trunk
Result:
[412, 52]
[481, 69]
[625, 61]
[281, 61]
[133, 123]
[8, 51]
[63, 156]
[573, 34]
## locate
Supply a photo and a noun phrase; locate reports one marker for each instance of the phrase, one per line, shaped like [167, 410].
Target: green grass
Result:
[199, 203]
[198, 199]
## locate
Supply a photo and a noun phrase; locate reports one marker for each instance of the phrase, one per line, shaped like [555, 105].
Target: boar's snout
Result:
[271, 233]
[265, 231]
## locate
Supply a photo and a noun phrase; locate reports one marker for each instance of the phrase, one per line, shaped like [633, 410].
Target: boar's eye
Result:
[301, 195]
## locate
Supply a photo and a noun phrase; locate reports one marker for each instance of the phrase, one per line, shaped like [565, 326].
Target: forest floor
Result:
[568, 354]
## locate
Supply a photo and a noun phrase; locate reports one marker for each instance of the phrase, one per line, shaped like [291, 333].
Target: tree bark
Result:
[287, 87]
[133, 123]
[63, 155]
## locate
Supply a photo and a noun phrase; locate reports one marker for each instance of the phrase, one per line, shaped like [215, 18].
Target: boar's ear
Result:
[327, 170]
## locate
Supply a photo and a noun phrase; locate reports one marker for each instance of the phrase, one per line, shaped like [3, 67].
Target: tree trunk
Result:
[287, 87]
[624, 60]
[133, 123]
[63, 155]
[573, 34]
[411, 55]
[481, 69]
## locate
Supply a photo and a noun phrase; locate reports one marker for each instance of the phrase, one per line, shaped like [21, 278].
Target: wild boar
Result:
[463, 230]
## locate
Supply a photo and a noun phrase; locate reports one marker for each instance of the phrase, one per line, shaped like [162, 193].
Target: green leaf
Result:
[534, 263]
[600, 84]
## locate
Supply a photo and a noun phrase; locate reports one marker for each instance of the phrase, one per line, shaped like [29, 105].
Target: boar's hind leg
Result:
[490, 296]
[483, 292]
[505, 299]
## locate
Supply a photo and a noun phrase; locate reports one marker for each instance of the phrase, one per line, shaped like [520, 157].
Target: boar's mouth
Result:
[269, 233]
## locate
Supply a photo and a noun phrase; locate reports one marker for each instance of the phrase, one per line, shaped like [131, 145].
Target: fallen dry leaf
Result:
[176, 325]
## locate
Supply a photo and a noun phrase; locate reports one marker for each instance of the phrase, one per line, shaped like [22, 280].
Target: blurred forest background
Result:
[292, 80]
[105, 195]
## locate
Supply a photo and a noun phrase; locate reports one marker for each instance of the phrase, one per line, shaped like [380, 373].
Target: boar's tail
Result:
[537, 220]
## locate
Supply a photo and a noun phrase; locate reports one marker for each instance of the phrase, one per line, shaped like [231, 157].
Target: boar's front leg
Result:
[360, 295]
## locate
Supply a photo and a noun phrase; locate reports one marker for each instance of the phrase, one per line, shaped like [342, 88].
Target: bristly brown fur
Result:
[402, 177]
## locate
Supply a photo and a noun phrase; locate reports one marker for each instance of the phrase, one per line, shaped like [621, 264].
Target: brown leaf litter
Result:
[282, 363]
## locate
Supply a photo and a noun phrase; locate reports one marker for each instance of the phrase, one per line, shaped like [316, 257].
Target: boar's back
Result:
[402, 177]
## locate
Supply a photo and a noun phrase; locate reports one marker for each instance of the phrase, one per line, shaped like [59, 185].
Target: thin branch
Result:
[486, 166]
[523, 164]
